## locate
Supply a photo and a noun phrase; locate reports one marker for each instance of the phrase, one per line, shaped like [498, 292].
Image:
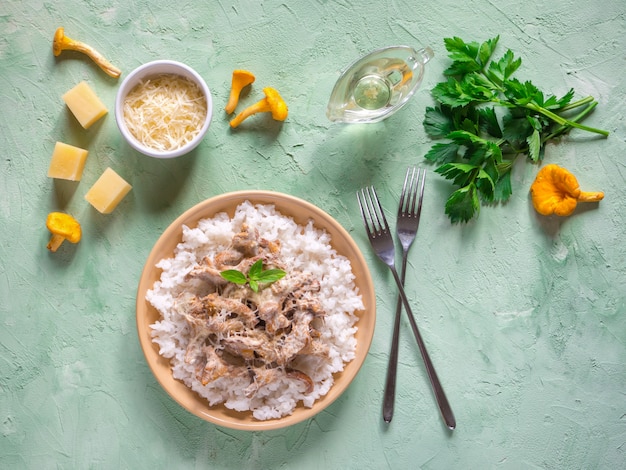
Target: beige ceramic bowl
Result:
[301, 211]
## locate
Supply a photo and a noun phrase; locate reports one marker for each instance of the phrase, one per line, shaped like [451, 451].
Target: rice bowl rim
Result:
[301, 211]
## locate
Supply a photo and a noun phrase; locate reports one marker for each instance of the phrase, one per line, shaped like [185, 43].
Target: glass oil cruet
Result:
[378, 84]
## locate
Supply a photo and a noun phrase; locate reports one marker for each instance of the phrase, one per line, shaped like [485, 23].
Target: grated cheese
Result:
[165, 112]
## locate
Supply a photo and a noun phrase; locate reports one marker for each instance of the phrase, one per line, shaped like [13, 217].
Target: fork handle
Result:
[392, 368]
[440, 396]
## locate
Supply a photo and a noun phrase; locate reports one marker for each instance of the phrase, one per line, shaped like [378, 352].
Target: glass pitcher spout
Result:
[378, 84]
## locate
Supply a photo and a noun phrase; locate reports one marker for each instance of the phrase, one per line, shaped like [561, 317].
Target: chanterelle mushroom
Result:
[62, 43]
[556, 191]
[241, 79]
[272, 102]
[63, 227]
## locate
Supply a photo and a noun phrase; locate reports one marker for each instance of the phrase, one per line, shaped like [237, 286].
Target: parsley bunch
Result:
[482, 146]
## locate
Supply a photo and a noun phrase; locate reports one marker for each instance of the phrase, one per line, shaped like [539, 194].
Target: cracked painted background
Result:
[524, 316]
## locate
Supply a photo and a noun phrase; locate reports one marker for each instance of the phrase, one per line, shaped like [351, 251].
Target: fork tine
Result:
[366, 212]
[421, 172]
[401, 203]
[384, 226]
[412, 193]
[372, 212]
[378, 210]
[360, 197]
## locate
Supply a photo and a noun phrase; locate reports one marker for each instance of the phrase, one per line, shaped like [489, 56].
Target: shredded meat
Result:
[257, 335]
[206, 271]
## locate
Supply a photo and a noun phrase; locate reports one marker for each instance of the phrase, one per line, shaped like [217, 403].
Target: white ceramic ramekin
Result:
[159, 67]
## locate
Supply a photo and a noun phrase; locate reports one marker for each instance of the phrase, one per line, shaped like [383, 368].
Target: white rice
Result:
[304, 248]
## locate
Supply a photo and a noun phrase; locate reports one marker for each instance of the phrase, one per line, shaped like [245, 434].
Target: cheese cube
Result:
[84, 104]
[108, 191]
[67, 162]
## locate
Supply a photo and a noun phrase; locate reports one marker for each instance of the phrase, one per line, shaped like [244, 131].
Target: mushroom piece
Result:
[63, 227]
[272, 102]
[305, 379]
[556, 191]
[62, 43]
[241, 79]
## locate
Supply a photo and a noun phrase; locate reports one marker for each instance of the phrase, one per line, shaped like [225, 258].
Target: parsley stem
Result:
[578, 103]
[562, 121]
[563, 128]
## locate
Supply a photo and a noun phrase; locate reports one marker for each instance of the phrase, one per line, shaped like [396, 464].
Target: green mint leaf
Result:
[255, 269]
[232, 275]
[270, 275]
[257, 275]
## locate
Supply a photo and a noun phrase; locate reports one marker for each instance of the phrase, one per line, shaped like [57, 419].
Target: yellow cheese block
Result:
[108, 191]
[84, 104]
[67, 162]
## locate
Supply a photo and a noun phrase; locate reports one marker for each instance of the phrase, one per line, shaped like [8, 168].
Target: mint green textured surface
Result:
[524, 316]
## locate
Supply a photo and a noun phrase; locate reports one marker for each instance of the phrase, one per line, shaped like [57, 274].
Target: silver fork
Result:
[381, 240]
[409, 210]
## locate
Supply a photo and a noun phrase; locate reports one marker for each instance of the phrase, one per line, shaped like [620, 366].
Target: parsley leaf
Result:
[463, 204]
[481, 145]
[436, 123]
